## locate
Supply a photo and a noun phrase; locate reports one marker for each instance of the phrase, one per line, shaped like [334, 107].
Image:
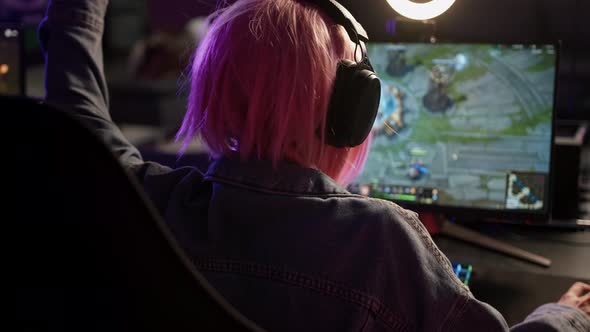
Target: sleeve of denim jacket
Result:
[553, 317]
[466, 313]
[71, 38]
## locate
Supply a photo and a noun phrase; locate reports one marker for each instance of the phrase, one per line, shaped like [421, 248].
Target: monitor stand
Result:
[464, 234]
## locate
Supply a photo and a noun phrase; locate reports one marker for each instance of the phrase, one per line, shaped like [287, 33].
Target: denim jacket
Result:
[286, 245]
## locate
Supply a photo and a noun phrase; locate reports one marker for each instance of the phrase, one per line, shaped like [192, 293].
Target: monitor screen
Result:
[11, 66]
[462, 125]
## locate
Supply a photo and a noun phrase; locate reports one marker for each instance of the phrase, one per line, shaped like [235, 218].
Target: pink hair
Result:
[261, 82]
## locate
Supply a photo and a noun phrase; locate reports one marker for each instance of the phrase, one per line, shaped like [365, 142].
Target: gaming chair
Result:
[86, 249]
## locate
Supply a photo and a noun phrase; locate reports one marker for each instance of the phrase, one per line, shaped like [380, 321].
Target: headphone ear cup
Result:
[353, 106]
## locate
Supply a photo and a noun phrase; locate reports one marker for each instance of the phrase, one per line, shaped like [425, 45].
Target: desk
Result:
[515, 287]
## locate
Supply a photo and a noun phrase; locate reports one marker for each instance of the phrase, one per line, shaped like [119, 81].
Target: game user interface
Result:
[10, 62]
[462, 125]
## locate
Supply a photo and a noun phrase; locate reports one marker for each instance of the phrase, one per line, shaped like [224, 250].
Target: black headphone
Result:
[357, 89]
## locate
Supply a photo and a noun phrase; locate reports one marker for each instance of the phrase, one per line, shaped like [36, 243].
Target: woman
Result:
[269, 223]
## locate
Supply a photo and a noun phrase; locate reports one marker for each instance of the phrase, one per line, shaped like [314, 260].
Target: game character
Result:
[417, 171]
[437, 99]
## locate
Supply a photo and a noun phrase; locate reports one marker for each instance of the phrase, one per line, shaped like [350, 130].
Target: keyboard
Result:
[463, 272]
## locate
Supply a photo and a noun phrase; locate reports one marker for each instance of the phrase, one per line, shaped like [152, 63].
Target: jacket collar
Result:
[285, 178]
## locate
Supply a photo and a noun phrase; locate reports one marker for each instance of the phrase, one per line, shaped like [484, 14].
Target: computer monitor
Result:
[463, 128]
[12, 78]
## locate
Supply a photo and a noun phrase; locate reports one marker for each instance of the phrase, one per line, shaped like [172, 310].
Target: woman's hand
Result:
[578, 296]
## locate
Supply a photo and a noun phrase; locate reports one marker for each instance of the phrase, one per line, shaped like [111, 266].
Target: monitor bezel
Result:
[467, 213]
[21, 46]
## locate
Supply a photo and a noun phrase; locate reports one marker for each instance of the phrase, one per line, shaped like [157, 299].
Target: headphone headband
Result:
[342, 16]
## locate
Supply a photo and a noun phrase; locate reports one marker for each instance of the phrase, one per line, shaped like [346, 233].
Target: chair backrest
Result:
[86, 249]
